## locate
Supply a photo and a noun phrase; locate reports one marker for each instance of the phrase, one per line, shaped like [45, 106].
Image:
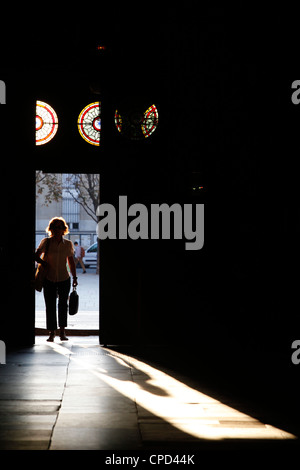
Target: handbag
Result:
[73, 302]
[41, 272]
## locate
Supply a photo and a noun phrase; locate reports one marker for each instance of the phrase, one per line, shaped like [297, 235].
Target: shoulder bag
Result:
[41, 272]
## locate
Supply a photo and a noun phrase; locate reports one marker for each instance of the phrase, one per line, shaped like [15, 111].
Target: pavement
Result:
[77, 395]
[87, 318]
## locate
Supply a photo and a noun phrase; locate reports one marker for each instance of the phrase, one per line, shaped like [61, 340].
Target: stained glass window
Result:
[150, 121]
[89, 123]
[137, 125]
[46, 123]
[118, 121]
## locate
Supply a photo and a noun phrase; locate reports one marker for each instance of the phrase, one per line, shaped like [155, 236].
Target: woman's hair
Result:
[57, 221]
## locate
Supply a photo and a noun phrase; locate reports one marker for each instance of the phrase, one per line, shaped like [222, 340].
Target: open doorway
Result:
[75, 197]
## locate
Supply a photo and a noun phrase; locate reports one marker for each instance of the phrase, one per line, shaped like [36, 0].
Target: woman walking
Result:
[58, 251]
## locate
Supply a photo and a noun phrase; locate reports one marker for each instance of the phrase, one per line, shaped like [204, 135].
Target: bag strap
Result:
[47, 246]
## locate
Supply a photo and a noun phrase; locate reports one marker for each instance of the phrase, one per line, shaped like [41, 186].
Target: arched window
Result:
[89, 123]
[150, 121]
[137, 125]
[46, 123]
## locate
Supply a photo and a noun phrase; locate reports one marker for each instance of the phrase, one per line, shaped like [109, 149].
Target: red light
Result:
[101, 48]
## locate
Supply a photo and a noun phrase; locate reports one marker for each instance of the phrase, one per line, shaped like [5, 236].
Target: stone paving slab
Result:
[96, 398]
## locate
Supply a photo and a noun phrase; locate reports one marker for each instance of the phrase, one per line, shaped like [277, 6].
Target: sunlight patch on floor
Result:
[190, 411]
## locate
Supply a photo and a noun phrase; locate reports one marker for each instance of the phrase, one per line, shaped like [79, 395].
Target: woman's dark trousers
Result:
[52, 290]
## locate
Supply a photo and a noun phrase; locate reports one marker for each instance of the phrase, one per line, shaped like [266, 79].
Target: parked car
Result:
[90, 258]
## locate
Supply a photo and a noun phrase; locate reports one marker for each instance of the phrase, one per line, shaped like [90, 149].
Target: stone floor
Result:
[77, 395]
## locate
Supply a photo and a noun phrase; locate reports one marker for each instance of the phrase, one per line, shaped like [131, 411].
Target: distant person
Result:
[79, 254]
[59, 251]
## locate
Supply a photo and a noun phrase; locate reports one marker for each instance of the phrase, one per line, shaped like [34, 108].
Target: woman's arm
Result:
[38, 259]
[73, 270]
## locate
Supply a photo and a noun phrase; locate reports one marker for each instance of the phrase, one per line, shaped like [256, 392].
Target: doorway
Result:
[75, 197]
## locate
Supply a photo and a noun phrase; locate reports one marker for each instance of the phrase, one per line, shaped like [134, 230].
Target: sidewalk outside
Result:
[87, 317]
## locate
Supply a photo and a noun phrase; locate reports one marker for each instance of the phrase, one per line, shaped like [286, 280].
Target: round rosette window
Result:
[89, 123]
[46, 123]
[137, 125]
[150, 121]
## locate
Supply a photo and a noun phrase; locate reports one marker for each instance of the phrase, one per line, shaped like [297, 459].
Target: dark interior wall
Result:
[217, 127]
[17, 215]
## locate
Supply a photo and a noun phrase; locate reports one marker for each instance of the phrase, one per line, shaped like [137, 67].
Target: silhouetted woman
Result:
[59, 251]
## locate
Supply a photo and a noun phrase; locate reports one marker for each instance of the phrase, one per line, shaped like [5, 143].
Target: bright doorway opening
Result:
[75, 197]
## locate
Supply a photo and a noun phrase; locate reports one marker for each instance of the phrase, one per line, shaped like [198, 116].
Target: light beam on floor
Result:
[183, 407]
